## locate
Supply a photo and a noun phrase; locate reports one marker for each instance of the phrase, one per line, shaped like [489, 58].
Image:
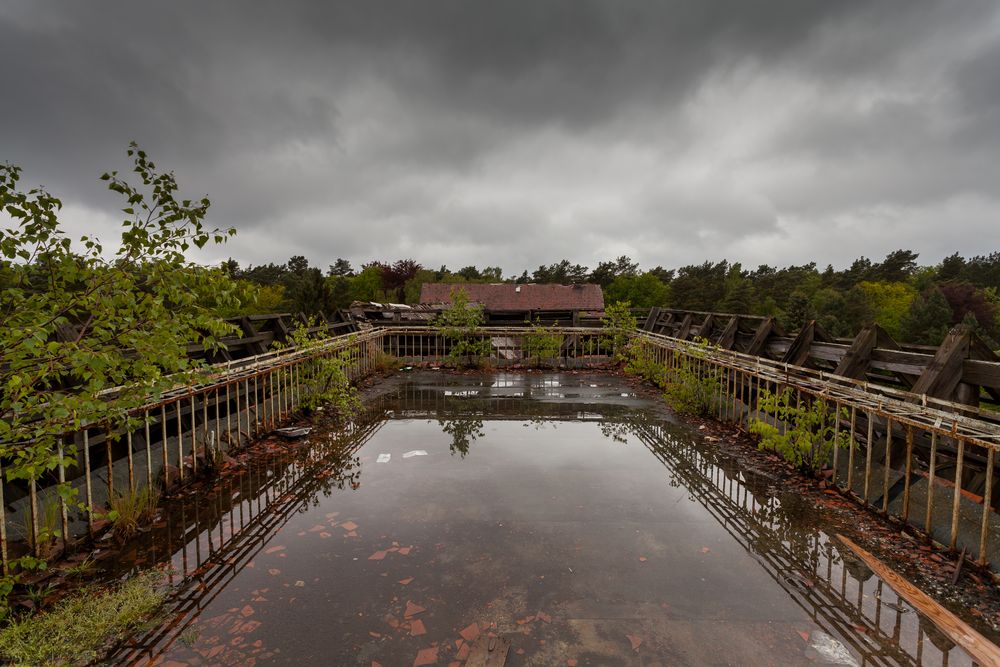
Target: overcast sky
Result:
[518, 133]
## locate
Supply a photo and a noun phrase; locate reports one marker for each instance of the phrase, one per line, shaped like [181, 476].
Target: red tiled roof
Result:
[504, 296]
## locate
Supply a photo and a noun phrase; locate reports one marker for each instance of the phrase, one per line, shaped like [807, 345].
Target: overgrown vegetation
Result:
[129, 510]
[324, 379]
[77, 628]
[640, 361]
[618, 322]
[541, 346]
[459, 323]
[385, 363]
[804, 433]
[70, 308]
[693, 386]
[49, 527]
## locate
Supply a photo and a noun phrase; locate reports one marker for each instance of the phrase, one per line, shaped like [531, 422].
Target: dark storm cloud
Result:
[516, 133]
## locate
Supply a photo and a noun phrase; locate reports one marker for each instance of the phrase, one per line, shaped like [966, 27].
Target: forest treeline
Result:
[914, 303]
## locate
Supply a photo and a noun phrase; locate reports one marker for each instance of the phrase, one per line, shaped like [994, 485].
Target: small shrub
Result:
[80, 626]
[324, 379]
[541, 345]
[641, 362]
[130, 509]
[327, 384]
[385, 363]
[693, 387]
[810, 431]
[459, 324]
[618, 323]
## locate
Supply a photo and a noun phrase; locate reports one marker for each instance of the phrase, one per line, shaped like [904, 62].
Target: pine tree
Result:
[928, 319]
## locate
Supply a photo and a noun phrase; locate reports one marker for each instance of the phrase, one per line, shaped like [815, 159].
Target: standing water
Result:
[562, 513]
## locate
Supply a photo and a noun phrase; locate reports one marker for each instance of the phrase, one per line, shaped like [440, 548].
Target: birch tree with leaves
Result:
[79, 318]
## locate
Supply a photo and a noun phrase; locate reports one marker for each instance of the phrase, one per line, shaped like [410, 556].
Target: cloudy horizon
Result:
[518, 134]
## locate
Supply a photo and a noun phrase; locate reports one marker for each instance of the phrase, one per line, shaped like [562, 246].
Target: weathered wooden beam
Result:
[943, 374]
[705, 330]
[651, 319]
[728, 336]
[799, 351]
[256, 344]
[685, 328]
[855, 363]
[979, 647]
[759, 341]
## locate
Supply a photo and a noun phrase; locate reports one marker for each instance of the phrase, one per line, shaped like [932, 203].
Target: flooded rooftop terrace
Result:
[564, 513]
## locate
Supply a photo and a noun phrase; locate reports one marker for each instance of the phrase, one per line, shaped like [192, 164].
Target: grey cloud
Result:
[517, 133]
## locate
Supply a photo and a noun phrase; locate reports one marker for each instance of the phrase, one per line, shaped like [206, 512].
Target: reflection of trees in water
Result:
[617, 431]
[540, 423]
[462, 420]
[339, 475]
[463, 432]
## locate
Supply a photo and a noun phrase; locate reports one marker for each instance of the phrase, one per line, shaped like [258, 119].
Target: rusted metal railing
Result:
[898, 444]
[903, 452]
[169, 438]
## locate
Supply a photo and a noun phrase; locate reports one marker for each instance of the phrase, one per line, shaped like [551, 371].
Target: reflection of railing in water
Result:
[803, 563]
[207, 554]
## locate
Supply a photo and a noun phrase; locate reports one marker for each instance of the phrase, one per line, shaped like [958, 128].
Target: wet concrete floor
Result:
[561, 511]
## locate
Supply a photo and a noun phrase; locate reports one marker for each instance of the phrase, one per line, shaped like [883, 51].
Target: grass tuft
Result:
[130, 510]
[78, 627]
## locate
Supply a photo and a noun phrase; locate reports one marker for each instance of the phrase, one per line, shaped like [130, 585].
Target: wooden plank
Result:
[759, 342]
[799, 351]
[941, 377]
[664, 323]
[488, 652]
[858, 358]
[651, 319]
[685, 328]
[728, 335]
[979, 647]
[705, 330]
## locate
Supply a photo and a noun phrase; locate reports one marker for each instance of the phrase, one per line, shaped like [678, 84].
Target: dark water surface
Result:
[561, 511]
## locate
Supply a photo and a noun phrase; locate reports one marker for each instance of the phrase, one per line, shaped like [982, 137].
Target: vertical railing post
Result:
[851, 445]
[63, 510]
[956, 497]
[984, 534]
[3, 528]
[931, 472]
[907, 469]
[163, 436]
[131, 466]
[149, 450]
[887, 464]
[180, 440]
[868, 455]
